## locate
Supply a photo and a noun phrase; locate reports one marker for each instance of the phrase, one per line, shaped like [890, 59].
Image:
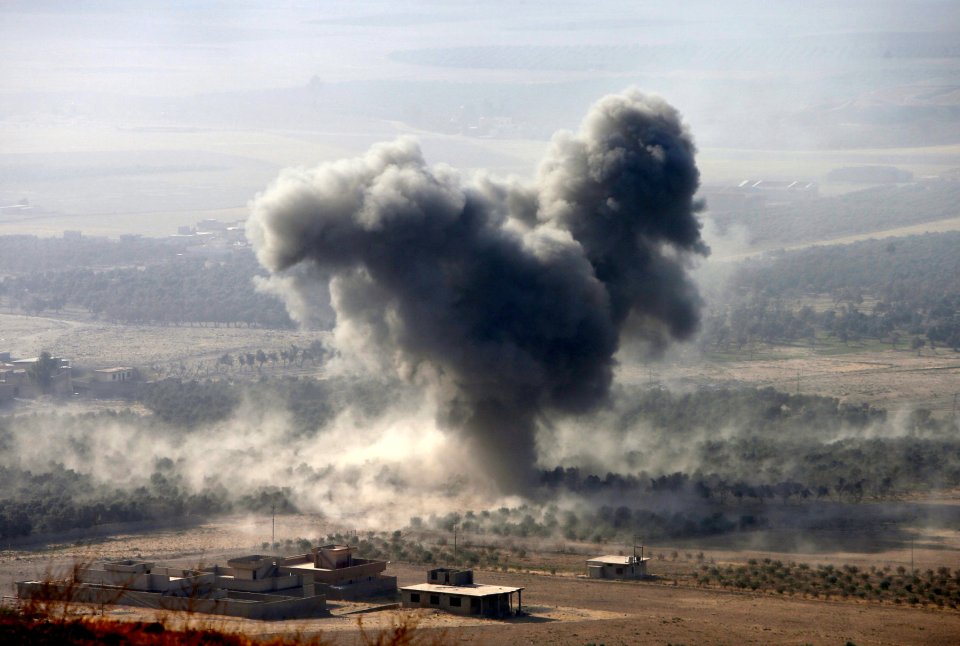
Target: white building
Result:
[617, 567]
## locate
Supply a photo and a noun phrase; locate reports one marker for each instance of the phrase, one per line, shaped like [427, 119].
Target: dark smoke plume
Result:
[512, 297]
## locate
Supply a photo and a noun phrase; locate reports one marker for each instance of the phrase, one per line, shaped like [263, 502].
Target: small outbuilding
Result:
[461, 595]
[617, 567]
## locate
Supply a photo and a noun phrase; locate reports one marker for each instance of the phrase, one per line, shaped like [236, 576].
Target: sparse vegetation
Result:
[940, 588]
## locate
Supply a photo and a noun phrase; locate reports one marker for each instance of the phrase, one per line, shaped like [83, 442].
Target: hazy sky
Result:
[181, 109]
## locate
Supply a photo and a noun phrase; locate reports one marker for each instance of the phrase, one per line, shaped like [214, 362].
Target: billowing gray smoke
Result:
[511, 297]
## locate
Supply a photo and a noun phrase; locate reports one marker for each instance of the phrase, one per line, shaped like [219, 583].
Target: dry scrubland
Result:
[563, 607]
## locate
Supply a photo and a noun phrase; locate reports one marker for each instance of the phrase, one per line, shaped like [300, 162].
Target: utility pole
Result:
[273, 523]
[454, 543]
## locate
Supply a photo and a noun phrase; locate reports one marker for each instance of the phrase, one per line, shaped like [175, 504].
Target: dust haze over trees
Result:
[786, 460]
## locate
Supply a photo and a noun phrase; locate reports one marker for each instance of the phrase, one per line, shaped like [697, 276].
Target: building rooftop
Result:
[611, 559]
[476, 590]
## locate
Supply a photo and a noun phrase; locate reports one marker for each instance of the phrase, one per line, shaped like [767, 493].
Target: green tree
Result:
[917, 344]
[43, 371]
[225, 360]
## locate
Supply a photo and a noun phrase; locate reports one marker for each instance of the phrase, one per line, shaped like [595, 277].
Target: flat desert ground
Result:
[563, 608]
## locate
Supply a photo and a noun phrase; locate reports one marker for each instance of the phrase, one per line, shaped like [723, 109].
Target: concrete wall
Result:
[492, 605]
[415, 599]
[608, 571]
[377, 586]
[364, 569]
[270, 584]
[251, 606]
[253, 567]
[332, 557]
[154, 581]
[448, 576]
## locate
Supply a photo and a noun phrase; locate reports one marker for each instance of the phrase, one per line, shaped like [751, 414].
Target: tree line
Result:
[137, 281]
[59, 499]
[183, 291]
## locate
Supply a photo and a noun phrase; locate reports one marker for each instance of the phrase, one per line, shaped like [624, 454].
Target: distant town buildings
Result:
[212, 230]
[753, 194]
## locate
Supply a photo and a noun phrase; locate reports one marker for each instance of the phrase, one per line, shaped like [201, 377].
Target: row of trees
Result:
[601, 524]
[727, 491]
[316, 353]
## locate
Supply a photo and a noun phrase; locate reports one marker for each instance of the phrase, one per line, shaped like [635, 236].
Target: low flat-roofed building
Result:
[118, 373]
[115, 381]
[464, 599]
[142, 584]
[17, 377]
[617, 567]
